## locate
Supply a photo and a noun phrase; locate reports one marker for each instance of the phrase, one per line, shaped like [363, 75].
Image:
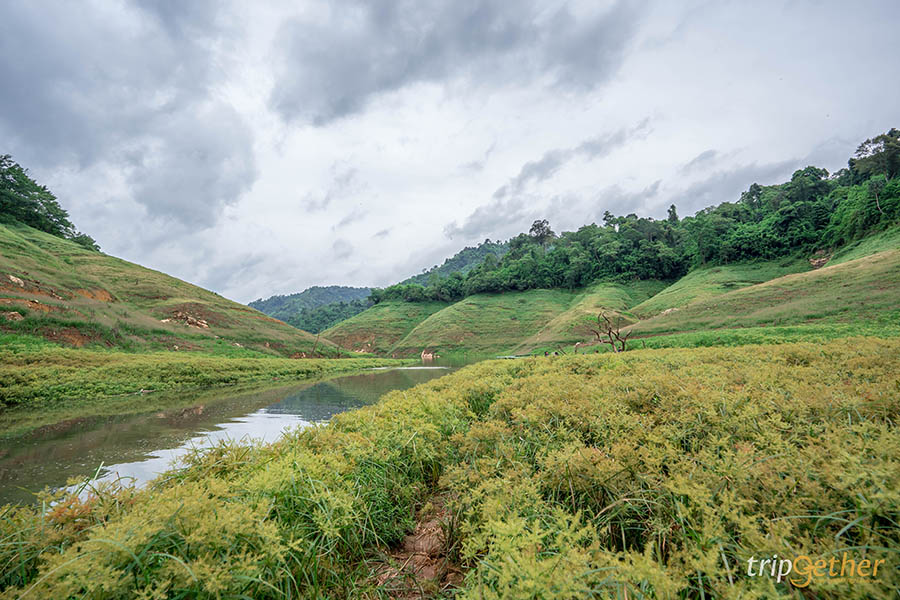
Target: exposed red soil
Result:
[420, 567]
[98, 294]
[197, 315]
[70, 336]
[14, 283]
[30, 304]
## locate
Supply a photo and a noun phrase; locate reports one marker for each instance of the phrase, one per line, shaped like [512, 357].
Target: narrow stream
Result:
[144, 445]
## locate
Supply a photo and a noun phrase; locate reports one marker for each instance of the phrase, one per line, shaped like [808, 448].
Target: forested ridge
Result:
[816, 211]
[462, 262]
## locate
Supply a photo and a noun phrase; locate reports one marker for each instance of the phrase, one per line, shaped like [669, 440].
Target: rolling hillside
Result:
[575, 323]
[854, 292]
[379, 328]
[62, 292]
[761, 301]
[707, 282]
[486, 323]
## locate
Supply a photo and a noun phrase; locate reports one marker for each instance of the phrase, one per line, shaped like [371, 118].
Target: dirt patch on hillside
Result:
[359, 342]
[819, 259]
[30, 304]
[69, 336]
[195, 315]
[421, 566]
[98, 294]
[14, 283]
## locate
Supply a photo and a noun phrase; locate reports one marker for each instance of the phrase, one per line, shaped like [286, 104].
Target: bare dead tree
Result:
[609, 332]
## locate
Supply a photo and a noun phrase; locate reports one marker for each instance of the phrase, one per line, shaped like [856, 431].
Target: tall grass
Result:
[651, 474]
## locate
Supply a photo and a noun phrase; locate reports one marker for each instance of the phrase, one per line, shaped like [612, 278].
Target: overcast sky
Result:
[257, 148]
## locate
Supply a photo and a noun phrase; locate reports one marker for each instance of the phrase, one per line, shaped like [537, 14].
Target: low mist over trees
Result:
[813, 211]
[23, 200]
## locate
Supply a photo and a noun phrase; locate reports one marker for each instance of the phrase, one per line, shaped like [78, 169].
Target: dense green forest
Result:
[322, 317]
[23, 200]
[289, 306]
[462, 262]
[814, 211]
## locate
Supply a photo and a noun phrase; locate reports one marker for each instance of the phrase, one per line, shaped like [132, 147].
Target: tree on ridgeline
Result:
[24, 201]
[541, 232]
[879, 155]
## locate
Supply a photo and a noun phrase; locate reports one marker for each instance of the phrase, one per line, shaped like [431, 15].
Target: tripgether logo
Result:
[801, 570]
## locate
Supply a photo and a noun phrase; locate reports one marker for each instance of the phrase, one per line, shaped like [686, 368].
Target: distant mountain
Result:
[319, 308]
[462, 262]
[322, 317]
[288, 308]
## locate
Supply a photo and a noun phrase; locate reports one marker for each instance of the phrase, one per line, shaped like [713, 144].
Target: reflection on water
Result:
[142, 446]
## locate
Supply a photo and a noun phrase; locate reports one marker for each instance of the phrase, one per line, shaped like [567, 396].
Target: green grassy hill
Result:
[857, 292]
[707, 282]
[574, 324]
[77, 297]
[879, 242]
[764, 301]
[379, 328]
[486, 323]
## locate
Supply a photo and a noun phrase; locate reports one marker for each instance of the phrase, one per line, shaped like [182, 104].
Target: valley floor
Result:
[648, 474]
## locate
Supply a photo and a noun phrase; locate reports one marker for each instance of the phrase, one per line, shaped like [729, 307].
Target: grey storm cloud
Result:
[492, 218]
[726, 186]
[508, 202]
[619, 202]
[553, 160]
[125, 85]
[331, 67]
[703, 160]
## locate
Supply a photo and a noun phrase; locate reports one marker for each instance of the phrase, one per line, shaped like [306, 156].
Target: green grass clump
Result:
[651, 474]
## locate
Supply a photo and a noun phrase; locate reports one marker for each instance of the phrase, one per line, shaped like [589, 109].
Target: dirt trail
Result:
[421, 567]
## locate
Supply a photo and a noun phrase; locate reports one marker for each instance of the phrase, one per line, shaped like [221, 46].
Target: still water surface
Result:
[142, 446]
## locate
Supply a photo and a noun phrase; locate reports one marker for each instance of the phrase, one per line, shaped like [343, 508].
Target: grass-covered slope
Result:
[486, 323]
[379, 328]
[857, 292]
[574, 324]
[78, 297]
[708, 282]
[878, 242]
[649, 474]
